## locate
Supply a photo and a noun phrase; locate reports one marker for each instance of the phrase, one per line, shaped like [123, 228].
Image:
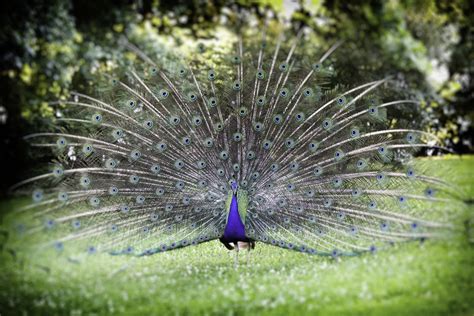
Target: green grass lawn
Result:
[430, 278]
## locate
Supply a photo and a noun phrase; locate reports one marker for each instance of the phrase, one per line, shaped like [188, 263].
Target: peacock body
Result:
[259, 146]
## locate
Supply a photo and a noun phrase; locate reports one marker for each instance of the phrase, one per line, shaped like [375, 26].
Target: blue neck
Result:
[234, 230]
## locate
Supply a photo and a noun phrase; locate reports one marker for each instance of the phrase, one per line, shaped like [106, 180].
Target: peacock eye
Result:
[163, 93]
[224, 155]
[61, 142]
[174, 120]
[148, 124]
[237, 137]
[161, 147]
[117, 134]
[317, 67]
[113, 190]
[155, 168]
[97, 118]
[327, 124]
[178, 164]
[318, 171]
[135, 154]
[341, 100]
[277, 119]
[284, 92]
[208, 142]
[266, 144]
[261, 100]
[37, 195]
[243, 111]
[290, 143]
[186, 140]
[134, 179]
[63, 196]
[87, 149]
[236, 60]
[429, 192]
[85, 181]
[212, 102]
[300, 117]
[197, 121]
[294, 166]
[94, 201]
[236, 85]
[76, 224]
[131, 104]
[58, 171]
[283, 66]
[211, 75]
[258, 126]
[338, 155]
[179, 185]
[307, 92]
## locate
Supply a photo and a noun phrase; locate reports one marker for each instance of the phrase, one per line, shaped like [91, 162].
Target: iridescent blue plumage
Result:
[234, 230]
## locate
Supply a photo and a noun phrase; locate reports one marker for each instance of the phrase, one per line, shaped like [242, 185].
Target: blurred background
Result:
[49, 48]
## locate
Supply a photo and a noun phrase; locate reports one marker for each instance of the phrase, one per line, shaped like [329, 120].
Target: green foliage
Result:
[50, 48]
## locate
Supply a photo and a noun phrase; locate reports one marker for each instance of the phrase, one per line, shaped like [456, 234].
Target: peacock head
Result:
[233, 185]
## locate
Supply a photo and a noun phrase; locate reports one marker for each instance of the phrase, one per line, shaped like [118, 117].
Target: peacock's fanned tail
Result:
[144, 165]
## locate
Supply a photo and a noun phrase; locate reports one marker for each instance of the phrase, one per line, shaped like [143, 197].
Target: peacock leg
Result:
[236, 261]
[248, 253]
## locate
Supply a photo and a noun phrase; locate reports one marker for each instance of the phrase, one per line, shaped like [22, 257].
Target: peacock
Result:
[261, 144]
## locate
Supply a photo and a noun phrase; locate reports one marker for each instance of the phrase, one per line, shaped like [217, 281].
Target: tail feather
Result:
[145, 166]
